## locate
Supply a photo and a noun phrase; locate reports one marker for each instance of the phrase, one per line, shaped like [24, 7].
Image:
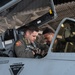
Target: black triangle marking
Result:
[16, 69]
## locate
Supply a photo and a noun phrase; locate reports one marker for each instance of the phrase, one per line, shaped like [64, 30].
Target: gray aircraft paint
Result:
[52, 64]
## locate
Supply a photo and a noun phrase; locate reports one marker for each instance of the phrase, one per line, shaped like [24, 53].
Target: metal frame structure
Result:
[8, 5]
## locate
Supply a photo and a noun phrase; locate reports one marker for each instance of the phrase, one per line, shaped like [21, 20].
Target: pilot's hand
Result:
[38, 51]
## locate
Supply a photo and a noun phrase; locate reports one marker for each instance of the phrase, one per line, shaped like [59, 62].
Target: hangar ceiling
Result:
[20, 16]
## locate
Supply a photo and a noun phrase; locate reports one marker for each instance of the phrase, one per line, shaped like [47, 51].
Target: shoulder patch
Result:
[18, 43]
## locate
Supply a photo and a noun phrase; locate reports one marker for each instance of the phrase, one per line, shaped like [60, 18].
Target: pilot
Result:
[48, 35]
[26, 47]
[58, 45]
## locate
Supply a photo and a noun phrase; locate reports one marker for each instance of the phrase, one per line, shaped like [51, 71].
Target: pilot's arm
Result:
[22, 51]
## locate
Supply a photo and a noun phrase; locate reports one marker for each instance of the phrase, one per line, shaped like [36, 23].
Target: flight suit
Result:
[22, 48]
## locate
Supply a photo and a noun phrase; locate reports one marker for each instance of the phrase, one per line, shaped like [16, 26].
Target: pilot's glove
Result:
[37, 53]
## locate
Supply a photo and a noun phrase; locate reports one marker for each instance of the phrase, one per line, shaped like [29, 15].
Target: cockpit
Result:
[66, 38]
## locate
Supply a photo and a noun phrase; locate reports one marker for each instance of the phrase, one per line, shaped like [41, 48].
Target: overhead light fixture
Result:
[39, 21]
[73, 33]
[62, 25]
[71, 43]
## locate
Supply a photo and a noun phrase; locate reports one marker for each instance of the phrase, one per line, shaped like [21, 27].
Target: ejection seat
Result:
[8, 40]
